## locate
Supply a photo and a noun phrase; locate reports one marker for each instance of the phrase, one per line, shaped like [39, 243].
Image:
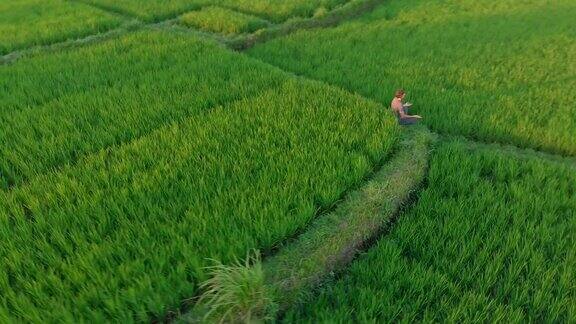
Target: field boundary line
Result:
[241, 42]
[543, 153]
[119, 12]
[511, 148]
[125, 28]
[334, 239]
[349, 10]
[57, 168]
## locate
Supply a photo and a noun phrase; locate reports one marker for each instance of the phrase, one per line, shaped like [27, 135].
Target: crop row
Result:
[493, 71]
[222, 20]
[57, 107]
[490, 240]
[26, 23]
[276, 11]
[125, 232]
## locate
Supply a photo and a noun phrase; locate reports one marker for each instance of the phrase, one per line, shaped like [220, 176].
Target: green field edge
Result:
[349, 10]
[8, 184]
[129, 14]
[530, 150]
[335, 238]
[110, 9]
[245, 41]
[514, 150]
[451, 281]
[126, 27]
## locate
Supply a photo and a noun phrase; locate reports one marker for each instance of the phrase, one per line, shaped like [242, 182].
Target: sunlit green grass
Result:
[274, 10]
[26, 23]
[278, 11]
[221, 20]
[496, 71]
[124, 232]
[57, 107]
[151, 10]
[490, 240]
[125, 164]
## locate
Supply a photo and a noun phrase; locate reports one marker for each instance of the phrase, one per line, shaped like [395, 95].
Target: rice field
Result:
[273, 10]
[130, 163]
[26, 23]
[491, 239]
[169, 171]
[223, 21]
[94, 97]
[494, 71]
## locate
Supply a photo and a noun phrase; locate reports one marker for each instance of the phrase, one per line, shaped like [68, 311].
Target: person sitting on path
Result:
[400, 109]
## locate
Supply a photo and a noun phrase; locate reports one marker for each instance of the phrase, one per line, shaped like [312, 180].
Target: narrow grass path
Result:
[335, 239]
[520, 152]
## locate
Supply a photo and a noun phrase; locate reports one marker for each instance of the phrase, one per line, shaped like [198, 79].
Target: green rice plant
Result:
[237, 292]
[279, 11]
[151, 10]
[273, 10]
[495, 71]
[490, 240]
[26, 23]
[124, 234]
[58, 107]
[221, 20]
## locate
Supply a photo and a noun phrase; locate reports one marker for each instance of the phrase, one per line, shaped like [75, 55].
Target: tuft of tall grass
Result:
[237, 292]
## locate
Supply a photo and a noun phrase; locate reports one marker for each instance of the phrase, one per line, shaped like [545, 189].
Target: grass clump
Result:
[237, 292]
[221, 20]
[254, 291]
[26, 23]
[490, 240]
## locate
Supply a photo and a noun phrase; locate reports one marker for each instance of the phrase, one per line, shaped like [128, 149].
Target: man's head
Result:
[400, 93]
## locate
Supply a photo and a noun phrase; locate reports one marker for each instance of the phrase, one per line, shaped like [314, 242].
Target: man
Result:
[401, 109]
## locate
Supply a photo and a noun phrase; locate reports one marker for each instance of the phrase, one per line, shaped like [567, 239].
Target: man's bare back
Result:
[401, 109]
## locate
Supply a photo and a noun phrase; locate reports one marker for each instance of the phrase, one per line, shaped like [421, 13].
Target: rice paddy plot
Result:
[223, 21]
[58, 107]
[151, 10]
[273, 10]
[490, 240]
[125, 233]
[279, 11]
[26, 23]
[494, 71]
